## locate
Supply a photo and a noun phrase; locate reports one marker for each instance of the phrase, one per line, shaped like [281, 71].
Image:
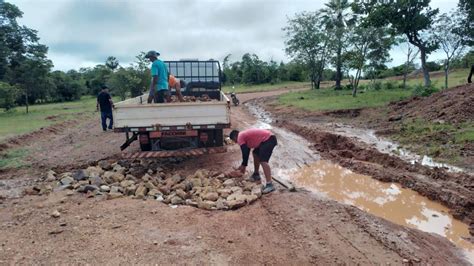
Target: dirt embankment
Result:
[454, 106]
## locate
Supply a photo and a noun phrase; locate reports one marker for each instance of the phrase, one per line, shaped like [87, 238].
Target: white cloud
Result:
[85, 32]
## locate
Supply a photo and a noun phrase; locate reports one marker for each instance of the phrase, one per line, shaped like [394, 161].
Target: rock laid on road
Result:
[104, 188]
[143, 179]
[55, 214]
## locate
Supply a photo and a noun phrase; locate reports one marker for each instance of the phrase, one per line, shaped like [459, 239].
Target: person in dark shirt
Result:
[469, 79]
[105, 105]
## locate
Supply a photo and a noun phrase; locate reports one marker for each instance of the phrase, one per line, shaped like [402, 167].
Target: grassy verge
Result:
[455, 78]
[443, 141]
[265, 87]
[329, 99]
[16, 121]
[14, 159]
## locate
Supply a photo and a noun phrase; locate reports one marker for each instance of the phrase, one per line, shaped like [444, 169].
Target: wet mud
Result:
[386, 200]
[453, 190]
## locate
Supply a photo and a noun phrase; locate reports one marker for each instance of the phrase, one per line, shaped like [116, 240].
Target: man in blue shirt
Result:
[159, 84]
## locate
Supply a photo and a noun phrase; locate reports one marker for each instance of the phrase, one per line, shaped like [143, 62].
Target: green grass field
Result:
[329, 99]
[265, 87]
[455, 78]
[16, 121]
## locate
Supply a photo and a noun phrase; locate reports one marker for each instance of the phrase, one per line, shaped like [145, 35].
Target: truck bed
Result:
[136, 113]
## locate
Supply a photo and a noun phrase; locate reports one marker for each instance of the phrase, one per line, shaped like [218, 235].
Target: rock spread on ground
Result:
[143, 179]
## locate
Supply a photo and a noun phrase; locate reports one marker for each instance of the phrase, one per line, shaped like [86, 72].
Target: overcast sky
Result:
[82, 33]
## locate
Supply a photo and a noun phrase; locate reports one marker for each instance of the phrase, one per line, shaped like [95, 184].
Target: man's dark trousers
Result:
[104, 116]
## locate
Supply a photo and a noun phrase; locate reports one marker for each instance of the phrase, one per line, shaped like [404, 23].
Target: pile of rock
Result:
[203, 98]
[144, 180]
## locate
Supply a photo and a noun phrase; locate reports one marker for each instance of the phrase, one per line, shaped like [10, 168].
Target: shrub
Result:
[347, 87]
[423, 91]
[8, 96]
[377, 85]
[390, 86]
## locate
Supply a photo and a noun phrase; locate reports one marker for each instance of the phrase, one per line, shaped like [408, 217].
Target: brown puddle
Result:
[386, 200]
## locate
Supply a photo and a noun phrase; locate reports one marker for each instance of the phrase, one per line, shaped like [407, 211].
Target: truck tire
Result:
[147, 146]
[219, 137]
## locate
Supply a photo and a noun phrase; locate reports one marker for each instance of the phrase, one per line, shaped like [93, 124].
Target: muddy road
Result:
[308, 226]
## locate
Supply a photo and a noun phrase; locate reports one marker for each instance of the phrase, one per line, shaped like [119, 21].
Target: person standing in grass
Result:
[262, 142]
[105, 105]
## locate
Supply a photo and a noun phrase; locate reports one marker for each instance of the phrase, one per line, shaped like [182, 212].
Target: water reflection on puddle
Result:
[386, 200]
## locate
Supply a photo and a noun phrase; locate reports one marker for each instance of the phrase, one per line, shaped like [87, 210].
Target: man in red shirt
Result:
[262, 142]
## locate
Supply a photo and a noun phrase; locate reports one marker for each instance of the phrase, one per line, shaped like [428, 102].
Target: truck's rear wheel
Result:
[219, 137]
[145, 147]
[145, 142]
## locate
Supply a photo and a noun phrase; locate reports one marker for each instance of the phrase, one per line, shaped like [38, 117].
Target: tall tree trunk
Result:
[446, 73]
[26, 99]
[319, 74]
[355, 82]
[426, 72]
[405, 71]
[338, 66]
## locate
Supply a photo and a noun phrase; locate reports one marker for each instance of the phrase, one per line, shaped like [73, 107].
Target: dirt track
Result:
[282, 228]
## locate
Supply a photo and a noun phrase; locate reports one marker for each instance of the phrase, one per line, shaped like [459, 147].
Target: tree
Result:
[338, 16]
[252, 69]
[410, 18]
[411, 53]
[366, 44]
[466, 24]
[226, 68]
[23, 59]
[112, 63]
[142, 72]
[122, 80]
[95, 78]
[8, 96]
[448, 33]
[66, 88]
[307, 41]
[32, 77]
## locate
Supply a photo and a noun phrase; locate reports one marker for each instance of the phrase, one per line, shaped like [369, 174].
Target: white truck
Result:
[178, 128]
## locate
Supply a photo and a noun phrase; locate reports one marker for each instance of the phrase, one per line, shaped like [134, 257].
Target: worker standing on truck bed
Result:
[159, 83]
[177, 84]
[104, 102]
[262, 142]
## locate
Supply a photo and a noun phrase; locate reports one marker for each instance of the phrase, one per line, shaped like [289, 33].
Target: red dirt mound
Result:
[454, 106]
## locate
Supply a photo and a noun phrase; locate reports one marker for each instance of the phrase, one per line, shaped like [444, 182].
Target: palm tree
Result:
[112, 63]
[337, 16]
